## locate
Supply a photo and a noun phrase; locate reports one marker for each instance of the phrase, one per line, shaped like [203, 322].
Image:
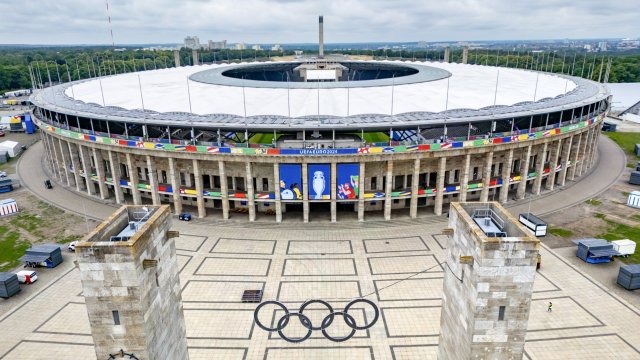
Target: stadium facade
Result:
[320, 135]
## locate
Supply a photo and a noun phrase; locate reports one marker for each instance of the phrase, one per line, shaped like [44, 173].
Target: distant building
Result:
[587, 47]
[421, 44]
[256, 47]
[192, 42]
[216, 45]
[602, 46]
[276, 47]
[241, 46]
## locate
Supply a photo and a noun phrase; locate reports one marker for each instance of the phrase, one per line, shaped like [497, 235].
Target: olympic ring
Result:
[326, 321]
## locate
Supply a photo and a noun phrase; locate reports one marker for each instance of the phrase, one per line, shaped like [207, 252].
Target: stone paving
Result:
[335, 264]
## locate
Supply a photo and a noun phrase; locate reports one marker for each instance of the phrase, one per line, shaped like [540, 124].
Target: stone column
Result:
[64, 155]
[197, 175]
[524, 172]
[305, 193]
[594, 146]
[46, 142]
[566, 154]
[574, 161]
[486, 177]
[100, 173]
[442, 166]
[334, 181]
[75, 163]
[506, 175]
[388, 188]
[551, 178]
[413, 208]
[114, 163]
[153, 180]
[464, 184]
[224, 190]
[54, 151]
[583, 151]
[361, 182]
[276, 182]
[175, 186]
[86, 166]
[133, 180]
[537, 183]
[250, 191]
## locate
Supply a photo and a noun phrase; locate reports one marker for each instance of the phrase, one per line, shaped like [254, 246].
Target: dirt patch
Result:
[37, 222]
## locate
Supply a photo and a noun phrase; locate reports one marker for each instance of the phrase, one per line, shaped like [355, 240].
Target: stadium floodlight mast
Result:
[563, 57]
[73, 95]
[141, 97]
[189, 95]
[535, 91]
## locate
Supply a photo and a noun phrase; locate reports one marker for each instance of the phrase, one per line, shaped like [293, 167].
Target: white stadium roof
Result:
[470, 87]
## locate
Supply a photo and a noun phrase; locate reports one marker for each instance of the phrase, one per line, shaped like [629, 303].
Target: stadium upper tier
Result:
[436, 93]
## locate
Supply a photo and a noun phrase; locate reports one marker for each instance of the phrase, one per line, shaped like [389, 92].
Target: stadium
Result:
[326, 135]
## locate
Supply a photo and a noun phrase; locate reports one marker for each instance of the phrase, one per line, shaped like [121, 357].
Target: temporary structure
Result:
[11, 147]
[9, 284]
[48, 255]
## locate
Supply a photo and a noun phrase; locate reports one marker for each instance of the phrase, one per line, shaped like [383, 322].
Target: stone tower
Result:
[130, 282]
[488, 283]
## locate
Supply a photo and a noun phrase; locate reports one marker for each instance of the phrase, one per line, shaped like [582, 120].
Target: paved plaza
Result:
[336, 264]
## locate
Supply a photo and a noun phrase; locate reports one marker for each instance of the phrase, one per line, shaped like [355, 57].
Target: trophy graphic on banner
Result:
[318, 184]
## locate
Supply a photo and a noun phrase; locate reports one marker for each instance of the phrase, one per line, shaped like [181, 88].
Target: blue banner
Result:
[319, 181]
[348, 181]
[291, 181]
[317, 151]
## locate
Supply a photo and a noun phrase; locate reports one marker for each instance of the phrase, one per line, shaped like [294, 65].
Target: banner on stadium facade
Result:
[348, 181]
[290, 181]
[319, 181]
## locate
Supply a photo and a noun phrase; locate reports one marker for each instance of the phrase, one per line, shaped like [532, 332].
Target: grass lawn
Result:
[627, 141]
[560, 232]
[261, 139]
[376, 137]
[11, 248]
[594, 202]
[617, 231]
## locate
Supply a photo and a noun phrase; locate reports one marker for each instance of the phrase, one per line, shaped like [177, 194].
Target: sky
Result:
[295, 21]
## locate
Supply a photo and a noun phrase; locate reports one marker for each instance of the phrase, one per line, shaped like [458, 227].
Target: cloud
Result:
[289, 21]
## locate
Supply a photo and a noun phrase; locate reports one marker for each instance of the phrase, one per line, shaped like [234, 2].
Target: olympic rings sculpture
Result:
[326, 322]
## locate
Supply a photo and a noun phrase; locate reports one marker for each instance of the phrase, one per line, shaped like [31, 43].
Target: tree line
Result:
[19, 66]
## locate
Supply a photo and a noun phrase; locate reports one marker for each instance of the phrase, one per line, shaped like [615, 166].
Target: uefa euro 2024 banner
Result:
[319, 181]
[348, 181]
[290, 181]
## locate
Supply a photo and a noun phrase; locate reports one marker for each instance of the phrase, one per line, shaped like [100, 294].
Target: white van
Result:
[27, 276]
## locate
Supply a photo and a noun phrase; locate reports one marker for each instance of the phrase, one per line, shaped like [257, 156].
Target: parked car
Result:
[27, 276]
[184, 217]
[2, 133]
[47, 184]
[3, 174]
[72, 246]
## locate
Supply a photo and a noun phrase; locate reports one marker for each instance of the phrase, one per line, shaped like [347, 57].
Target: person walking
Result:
[550, 308]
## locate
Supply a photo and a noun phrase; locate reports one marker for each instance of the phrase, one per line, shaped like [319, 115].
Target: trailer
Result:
[8, 206]
[46, 255]
[533, 223]
[9, 285]
[629, 276]
[595, 251]
[625, 247]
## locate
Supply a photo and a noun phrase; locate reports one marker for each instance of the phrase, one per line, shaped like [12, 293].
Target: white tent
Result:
[11, 147]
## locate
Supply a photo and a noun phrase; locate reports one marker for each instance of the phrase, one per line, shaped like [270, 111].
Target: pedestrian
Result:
[550, 308]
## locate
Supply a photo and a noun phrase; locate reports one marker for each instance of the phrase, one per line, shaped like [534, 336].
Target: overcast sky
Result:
[292, 21]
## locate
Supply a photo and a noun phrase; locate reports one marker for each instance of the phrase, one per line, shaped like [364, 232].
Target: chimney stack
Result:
[321, 27]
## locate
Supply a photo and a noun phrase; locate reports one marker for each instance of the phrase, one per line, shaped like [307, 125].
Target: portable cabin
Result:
[4, 157]
[634, 199]
[533, 223]
[625, 247]
[9, 284]
[46, 255]
[629, 276]
[595, 251]
[634, 179]
[637, 149]
[11, 147]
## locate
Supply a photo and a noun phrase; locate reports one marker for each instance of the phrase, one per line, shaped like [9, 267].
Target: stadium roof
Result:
[471, 97]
